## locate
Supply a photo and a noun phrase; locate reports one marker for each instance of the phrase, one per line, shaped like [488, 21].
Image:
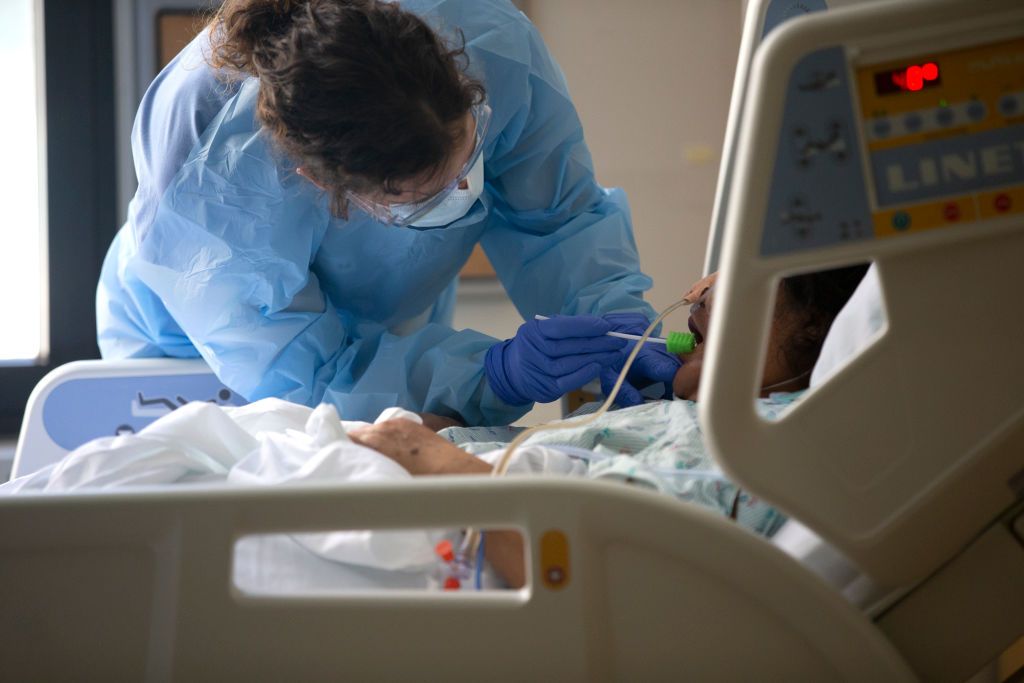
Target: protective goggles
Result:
[406, 213]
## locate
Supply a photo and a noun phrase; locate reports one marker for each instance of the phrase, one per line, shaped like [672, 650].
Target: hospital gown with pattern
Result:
[228, 254]
[658, 445]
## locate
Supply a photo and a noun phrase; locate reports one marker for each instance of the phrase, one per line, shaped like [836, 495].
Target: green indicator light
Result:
[943, 102]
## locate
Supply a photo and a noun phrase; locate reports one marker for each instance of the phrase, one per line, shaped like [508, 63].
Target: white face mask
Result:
[458, 203]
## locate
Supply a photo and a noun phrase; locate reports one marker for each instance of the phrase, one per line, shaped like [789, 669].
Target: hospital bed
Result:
[904, 468]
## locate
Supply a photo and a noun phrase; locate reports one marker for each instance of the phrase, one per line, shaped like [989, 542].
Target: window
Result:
[58, 187]
[23, 269]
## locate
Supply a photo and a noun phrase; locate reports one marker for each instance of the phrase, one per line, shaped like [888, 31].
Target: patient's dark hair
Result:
[361, 93]
[810, 303]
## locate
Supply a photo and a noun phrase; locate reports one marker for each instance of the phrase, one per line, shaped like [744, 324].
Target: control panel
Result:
[945, 137]
[880, 150]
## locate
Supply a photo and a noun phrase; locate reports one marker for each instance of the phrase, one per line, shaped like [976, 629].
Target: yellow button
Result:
[554, 559]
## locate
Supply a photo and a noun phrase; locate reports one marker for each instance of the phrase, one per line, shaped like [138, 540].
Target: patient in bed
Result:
[658, 444]
[271, 442]
[805, 307]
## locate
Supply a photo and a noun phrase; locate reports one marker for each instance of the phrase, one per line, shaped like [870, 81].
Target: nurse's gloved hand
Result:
[548, 358]
[652, 364]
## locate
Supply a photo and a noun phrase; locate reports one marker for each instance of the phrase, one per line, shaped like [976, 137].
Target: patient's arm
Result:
[418, 449]
[422, 452]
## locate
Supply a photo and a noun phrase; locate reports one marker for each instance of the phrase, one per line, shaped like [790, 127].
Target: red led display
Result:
[908, 79]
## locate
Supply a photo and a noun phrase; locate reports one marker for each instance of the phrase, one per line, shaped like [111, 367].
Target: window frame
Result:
[81, 187]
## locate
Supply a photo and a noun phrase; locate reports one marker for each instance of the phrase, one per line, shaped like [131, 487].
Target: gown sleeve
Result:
[559, 242]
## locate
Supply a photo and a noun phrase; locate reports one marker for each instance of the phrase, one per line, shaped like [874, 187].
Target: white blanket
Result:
[264, 443]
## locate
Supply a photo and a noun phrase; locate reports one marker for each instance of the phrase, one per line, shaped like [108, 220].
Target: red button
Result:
[951, 211]
[1002, 202]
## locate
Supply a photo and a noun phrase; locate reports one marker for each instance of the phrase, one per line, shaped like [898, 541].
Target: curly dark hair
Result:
[361, 93]
[811, 303]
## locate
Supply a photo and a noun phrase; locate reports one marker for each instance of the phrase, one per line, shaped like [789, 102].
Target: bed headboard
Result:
[912, 447]
[88, 399]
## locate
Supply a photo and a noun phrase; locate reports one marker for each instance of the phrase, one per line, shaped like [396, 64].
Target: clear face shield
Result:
[449, 204]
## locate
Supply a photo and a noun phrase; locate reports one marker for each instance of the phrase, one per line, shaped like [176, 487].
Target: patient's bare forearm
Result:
[421, 452]
[503, 549]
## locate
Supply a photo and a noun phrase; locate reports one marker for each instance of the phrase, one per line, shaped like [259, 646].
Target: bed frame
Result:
[132, 586]
[624, 584]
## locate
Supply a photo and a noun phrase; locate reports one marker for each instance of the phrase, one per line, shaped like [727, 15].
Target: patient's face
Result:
[687, 380]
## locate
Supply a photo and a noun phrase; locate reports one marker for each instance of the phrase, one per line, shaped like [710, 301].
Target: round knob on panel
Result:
[901, 220]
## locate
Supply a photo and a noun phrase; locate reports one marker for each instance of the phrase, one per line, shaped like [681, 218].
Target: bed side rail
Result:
[140, 585]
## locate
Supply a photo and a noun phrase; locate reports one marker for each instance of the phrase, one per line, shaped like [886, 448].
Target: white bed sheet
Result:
[278, 565]
[272, 442]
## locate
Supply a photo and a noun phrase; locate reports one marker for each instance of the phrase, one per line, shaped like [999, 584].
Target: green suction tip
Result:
[680, 342]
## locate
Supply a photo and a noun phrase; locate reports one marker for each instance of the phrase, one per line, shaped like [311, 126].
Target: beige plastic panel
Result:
[905, 454]
[138, 586]
[967, 614]
[753, 29]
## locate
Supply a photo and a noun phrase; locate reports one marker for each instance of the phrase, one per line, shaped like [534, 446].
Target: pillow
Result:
[855, 328]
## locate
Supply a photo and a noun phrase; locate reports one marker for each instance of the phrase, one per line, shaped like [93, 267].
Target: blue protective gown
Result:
[228, 254]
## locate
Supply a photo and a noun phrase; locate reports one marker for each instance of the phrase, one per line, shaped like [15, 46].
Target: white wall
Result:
[651, 80]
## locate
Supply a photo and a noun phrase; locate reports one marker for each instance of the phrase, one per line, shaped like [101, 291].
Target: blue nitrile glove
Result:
[548, 358]
[652, 364]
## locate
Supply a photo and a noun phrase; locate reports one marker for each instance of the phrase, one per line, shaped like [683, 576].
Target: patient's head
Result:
[805, 307]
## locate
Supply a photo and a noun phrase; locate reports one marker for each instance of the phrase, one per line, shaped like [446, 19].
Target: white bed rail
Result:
[137, 585]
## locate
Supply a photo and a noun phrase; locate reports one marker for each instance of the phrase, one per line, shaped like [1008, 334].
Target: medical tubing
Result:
[479, 569]
[787, 381]
[472, 538]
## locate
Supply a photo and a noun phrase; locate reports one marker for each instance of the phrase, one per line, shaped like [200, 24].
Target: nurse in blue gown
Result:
[314, 174]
